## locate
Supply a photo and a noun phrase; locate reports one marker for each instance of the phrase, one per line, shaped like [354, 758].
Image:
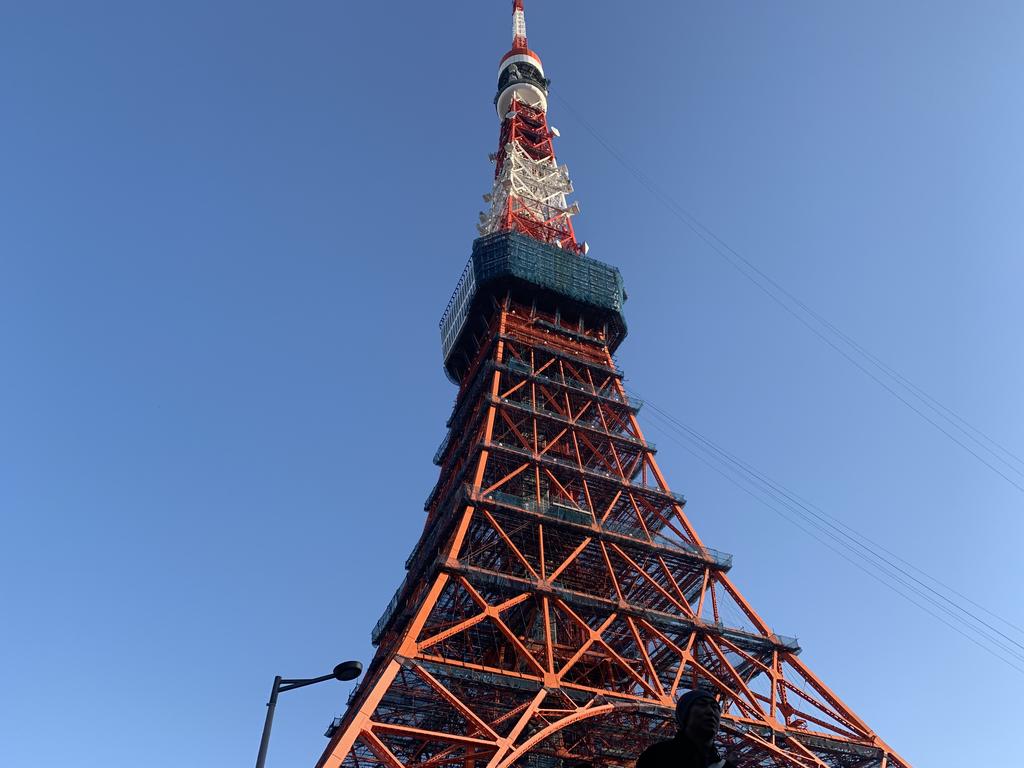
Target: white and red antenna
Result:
[530, 189]
[518, 25]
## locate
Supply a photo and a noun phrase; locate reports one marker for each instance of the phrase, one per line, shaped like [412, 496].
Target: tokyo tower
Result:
[559, 600]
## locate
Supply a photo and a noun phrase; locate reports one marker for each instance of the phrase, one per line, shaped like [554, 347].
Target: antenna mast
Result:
[530, 189]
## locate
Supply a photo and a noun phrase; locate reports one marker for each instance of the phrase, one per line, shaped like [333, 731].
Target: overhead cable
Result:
[947, 421]
[840, 539]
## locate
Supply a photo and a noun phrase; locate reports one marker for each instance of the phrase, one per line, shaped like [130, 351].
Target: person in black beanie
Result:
[697, 715]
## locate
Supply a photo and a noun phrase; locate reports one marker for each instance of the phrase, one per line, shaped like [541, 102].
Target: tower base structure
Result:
[559, 600]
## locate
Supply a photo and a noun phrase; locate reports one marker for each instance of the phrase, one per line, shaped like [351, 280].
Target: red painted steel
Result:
[526, 127]
[559, 599]
[569, 599]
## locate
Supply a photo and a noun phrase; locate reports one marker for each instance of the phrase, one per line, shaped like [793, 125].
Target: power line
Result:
[889, 552]
[857, 565]
[766, 284]
[842, 529]
[738, 473]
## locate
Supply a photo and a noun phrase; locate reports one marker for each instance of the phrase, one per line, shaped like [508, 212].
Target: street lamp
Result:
[347, 670]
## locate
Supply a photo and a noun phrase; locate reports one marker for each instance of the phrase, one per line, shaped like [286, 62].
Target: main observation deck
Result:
[508, 261]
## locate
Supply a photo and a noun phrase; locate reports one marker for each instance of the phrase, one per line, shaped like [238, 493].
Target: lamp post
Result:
[347, 670]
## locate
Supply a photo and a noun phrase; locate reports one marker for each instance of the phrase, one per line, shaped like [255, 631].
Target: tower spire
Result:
[518, 24]
[530, 189]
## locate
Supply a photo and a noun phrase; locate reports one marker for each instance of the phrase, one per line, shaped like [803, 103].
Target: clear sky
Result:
[228, 230]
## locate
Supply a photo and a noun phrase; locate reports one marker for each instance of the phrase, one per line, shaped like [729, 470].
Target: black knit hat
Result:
[686, 701]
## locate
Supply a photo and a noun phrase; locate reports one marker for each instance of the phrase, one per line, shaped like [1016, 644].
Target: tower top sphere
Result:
[520, 72]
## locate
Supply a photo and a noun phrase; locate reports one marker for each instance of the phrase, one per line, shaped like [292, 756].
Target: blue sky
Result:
[228, 230]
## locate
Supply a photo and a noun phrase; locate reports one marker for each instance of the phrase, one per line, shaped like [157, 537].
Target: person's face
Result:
[702, 720]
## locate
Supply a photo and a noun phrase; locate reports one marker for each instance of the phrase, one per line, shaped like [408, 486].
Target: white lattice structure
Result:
[536, 190]
[518, 24]
[530, 189]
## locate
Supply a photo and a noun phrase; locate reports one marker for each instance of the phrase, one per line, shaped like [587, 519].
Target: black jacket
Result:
[679, 752]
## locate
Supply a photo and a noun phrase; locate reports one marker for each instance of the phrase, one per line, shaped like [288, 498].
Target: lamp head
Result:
[348, 670]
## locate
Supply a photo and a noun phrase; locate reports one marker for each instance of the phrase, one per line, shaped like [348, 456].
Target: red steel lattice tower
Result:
[559, 600]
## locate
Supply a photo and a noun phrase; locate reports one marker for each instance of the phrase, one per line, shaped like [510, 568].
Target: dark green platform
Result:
[508, 261]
